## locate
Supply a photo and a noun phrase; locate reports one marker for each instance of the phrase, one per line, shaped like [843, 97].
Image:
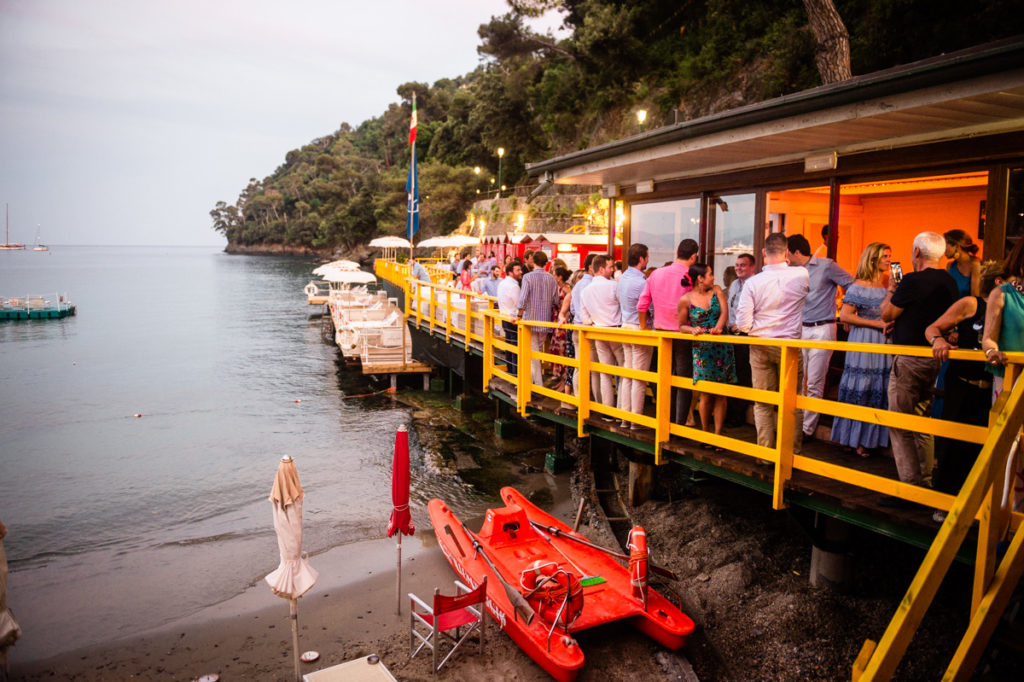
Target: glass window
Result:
[662, 225]
[733, 217]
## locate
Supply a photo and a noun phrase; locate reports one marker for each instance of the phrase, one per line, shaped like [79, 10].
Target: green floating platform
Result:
[37, 313]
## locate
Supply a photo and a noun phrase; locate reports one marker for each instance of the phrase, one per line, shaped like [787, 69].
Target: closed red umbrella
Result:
[401, 520]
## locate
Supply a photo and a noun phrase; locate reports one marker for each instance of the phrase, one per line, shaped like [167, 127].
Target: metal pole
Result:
[398, 585]
[294, 608]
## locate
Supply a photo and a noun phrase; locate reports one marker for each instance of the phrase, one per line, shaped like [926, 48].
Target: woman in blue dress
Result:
[865, 378]
[703, 310]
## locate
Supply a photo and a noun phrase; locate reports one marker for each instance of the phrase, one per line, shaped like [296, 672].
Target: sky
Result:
[123, 122]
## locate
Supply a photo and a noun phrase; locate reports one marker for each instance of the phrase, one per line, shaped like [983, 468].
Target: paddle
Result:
[585, 580]
[519, 603]
[664, 572]
[449, 533]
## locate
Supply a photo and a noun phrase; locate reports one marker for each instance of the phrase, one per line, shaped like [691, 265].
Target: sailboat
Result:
[38, 246]
[7, 245]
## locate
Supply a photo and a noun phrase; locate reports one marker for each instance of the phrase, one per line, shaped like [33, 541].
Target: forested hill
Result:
[536, 96]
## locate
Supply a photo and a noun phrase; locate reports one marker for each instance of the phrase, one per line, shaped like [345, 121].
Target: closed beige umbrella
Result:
[294, 576]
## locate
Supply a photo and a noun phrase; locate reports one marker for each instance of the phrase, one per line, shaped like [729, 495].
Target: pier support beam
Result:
[831, 563]
[641, 483]
[559, 460]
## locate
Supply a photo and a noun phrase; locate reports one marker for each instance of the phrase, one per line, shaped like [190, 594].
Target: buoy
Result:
[137, 415]
[298, 401]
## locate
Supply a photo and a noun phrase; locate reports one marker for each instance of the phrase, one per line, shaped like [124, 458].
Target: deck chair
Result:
[431, 624]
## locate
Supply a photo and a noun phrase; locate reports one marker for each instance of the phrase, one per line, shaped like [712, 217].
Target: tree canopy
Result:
[537, 95]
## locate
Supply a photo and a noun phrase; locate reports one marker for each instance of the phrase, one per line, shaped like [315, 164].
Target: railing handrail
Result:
[977, 497]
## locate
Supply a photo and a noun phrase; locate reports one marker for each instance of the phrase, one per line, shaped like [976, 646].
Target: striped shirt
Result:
[538, 297]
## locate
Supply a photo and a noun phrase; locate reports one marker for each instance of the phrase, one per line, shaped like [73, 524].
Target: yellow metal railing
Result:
[978, 499]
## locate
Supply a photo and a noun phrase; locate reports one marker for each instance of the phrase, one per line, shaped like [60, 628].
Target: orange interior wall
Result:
[893, 219]
[897, 218]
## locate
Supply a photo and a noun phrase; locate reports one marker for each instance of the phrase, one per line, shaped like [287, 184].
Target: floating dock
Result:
[35, 308]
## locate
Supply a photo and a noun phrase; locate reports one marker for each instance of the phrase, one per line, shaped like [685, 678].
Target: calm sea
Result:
[119, 523]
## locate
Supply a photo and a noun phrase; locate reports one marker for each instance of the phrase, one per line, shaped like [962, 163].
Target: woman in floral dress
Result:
[703, 310]
[558, 337]
[865, 378]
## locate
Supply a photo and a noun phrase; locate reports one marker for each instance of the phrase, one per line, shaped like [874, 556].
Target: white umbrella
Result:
[349, 276]
[336, 265]
[294, 576]
[448, 241]
[390, 243]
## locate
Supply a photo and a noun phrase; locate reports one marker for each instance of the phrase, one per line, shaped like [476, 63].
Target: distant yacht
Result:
[38, 246]
[7, 245]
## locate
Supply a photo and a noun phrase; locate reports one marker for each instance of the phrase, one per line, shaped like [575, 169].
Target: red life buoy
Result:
[638, 556]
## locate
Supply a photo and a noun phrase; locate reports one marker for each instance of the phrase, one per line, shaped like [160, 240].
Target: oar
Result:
[449, 533]
[519, 603]
[585, 580]
[664, 572]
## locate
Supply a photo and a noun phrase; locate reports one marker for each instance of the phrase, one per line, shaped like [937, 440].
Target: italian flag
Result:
[412, 122]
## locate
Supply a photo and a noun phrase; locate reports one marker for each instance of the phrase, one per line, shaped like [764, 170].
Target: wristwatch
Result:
[932, 340]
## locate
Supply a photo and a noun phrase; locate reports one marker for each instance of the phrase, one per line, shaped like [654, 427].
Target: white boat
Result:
[38, 246]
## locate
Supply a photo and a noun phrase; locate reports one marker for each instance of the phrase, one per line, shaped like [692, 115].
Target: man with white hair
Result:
[912, 304]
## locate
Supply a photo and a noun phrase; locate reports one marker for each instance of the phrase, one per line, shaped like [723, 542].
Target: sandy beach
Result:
[349, 613]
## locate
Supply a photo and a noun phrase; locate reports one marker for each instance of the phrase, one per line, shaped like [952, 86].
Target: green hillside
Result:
[536, 96]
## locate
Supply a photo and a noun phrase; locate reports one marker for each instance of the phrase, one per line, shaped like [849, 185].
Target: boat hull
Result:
[514, 546]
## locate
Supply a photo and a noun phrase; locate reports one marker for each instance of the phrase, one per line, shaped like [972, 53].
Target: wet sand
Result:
[348, 614]
[349, 610]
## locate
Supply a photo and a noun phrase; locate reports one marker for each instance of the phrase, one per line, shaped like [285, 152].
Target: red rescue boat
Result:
[546, 583]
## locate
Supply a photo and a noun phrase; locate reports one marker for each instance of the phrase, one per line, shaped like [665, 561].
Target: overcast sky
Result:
[125, 121]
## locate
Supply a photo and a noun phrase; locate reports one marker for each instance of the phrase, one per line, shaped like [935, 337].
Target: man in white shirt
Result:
[508, 304]
[771, 306]
[736, 412]
[599, 306]
[636, 355]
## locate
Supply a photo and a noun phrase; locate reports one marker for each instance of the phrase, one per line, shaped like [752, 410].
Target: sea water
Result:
[139, 439]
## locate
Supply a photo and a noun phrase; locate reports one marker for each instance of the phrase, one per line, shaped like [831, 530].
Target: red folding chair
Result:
[465, 610]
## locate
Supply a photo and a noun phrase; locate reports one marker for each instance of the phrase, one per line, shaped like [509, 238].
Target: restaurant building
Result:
[933, 145]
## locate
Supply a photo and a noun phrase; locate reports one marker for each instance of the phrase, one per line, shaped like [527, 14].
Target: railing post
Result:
[583, 355]
[431, 307]
[785, 433]
[523, 367]
[663, 397]
[469, 322]
[447, 315]
[488, 352]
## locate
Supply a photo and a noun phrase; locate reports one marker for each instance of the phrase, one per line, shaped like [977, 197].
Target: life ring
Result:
[638, 556]
[310, 290]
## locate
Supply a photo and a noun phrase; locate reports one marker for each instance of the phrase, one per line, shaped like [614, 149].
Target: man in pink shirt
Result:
[663, 290]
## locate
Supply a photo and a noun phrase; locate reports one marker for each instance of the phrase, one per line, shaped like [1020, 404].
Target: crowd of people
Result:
[799, 293]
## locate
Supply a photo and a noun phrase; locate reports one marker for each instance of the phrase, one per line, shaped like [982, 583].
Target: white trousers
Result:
[595, 382]
[816, 368]
[635, 356]
[610, 353]
[537, 339]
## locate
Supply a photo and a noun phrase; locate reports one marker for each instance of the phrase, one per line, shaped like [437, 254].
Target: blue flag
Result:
[412, 188]
[412, 185]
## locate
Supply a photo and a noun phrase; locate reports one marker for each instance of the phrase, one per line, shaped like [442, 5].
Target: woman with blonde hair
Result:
[865, 379]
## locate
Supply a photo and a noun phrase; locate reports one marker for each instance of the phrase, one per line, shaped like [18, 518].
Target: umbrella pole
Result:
[294, 609]
[398, 585]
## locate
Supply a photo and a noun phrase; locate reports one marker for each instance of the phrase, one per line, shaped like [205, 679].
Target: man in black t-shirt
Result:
[911, 305]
